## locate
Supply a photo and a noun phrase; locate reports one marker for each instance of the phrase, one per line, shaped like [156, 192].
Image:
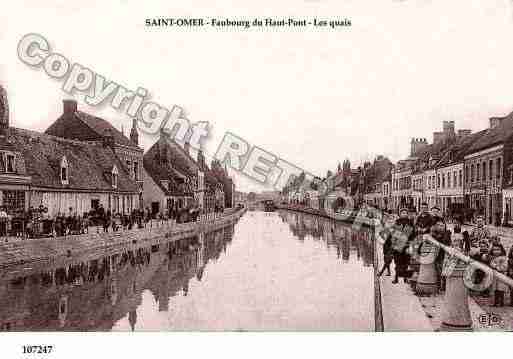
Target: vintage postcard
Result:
[307, 165]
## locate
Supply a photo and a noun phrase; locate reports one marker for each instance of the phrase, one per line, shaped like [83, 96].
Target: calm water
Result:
[269, 271]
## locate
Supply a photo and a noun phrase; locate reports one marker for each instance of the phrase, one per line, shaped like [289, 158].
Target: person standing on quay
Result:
[424, 220]
[388, 256]
[423, 225]
[443, 236]
[499, 262]
[401, 237]
[480, 232]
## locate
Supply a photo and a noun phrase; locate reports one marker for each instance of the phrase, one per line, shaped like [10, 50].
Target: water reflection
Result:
[336, 235]
[280, 270]
[95, 294]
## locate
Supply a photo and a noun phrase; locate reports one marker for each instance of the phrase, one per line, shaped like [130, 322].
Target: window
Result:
[472, 173]
[115, 175]
[454, 179]
[467, 174]
[478, 173]
[443, 180]
[7, 162]
[484, 171]
[449, 180]
[499, 168]
[64, 170]
[14, 200]
[136, 171]
[490, 167]
[460, 180]
[10, 163]
[95, 203]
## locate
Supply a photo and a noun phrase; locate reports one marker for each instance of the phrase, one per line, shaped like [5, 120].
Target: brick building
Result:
[78, 125]
[41, 169]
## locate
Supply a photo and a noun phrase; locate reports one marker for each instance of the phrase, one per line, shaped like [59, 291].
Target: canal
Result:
[269, 271]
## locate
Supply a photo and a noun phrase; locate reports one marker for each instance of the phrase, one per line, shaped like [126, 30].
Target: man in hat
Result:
[440, 233]
[424, 219]
[435, 214]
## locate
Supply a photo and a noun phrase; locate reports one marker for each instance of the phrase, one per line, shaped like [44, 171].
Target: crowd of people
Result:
[36, 222]
[404, 250]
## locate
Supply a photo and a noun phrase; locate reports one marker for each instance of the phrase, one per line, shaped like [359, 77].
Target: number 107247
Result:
[37, 349]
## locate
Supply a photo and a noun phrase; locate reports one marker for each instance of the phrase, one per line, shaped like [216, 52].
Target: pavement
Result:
[31, 254]
[405, 311]
[402, 311]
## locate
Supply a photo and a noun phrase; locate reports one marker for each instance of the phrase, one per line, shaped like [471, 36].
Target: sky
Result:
[311, 97]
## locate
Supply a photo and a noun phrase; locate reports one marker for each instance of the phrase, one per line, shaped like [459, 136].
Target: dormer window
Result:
[10, 162]
[64, 172]
[7, 162]
[115, 175]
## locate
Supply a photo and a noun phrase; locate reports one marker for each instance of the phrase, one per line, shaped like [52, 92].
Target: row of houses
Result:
[81, 162]
[459, 171]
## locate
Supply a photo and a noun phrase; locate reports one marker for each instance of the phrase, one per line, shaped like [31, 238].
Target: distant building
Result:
[222, 176]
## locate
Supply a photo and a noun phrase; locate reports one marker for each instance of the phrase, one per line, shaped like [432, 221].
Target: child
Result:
[388, 256]
[499, 262]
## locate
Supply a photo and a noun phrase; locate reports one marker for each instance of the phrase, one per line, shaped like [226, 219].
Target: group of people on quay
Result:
[480, 245]
[36, 223]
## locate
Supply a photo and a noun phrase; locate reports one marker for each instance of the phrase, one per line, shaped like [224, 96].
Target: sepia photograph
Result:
[295, 172]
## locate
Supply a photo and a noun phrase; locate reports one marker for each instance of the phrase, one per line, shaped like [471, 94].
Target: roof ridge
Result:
[78, 112]
[183, 150]
[35, 133]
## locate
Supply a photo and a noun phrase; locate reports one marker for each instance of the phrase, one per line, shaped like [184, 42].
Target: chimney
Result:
[464, 132]
[187, 147]
[438, 137]
[134, 135]
[108, 138]
[69, 107]
[416, 145]
[495, 121]
[448, 127]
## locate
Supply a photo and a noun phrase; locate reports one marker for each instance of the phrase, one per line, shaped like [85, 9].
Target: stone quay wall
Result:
[37, 254]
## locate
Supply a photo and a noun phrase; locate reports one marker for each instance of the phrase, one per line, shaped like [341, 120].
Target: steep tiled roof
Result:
[83, 126]
[101, 126]
[180, 159]
[434, 151]
[493, 136]
[89, 164]
[159, 171]
[456, 152]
